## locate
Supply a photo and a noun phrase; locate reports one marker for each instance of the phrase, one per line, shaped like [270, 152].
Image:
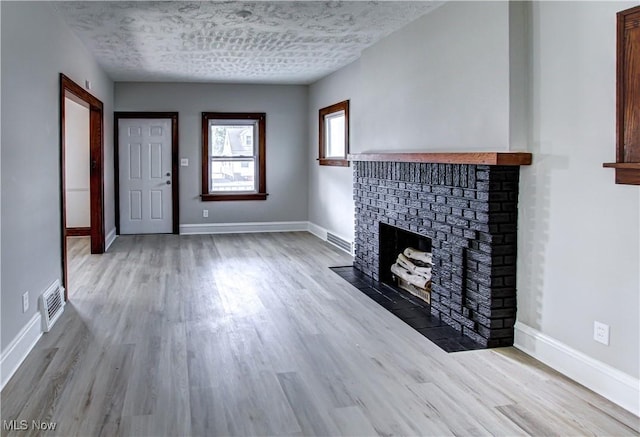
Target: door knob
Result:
[168, 174]
[168, 182]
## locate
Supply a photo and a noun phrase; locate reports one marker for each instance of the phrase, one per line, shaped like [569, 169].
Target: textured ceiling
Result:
[280, 42]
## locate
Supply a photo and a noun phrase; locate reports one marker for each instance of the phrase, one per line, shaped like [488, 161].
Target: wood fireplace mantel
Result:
[478, 158]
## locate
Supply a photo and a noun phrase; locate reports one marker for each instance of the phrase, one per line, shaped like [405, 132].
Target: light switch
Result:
[184, 162]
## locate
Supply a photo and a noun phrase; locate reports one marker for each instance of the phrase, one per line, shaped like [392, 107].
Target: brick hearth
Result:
[470, 213]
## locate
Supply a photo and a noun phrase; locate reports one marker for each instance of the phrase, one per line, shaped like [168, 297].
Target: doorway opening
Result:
[76, 100]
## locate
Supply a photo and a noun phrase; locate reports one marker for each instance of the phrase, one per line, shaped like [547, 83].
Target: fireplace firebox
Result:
[405, 261]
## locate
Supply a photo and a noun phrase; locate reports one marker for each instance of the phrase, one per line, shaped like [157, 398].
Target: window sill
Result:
[334, 162]
[230, 197]
[627, 173]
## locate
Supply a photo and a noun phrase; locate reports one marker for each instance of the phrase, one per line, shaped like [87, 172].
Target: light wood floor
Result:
[254, 335]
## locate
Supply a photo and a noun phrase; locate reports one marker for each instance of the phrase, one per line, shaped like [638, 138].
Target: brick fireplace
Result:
[467, 205]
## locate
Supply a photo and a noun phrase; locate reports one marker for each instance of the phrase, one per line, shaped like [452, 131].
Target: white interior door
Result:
[144, 151]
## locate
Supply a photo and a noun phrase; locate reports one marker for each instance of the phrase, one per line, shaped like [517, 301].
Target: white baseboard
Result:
[321, 233]
[603, 379]
[318, 231]
[242, 228]
[19, 348]
[111, 237]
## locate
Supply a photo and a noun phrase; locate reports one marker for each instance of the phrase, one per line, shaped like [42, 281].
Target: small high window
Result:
[334, 134]
[233, 156]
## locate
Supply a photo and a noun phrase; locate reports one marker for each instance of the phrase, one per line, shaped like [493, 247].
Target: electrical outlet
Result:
[601, 333]
[205, 213]
[25, 302]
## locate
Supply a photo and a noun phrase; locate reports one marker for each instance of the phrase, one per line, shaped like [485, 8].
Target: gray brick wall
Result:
[470, 213]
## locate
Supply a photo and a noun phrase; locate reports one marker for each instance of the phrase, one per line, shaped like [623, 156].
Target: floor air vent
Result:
[52, 305]
[337, 241]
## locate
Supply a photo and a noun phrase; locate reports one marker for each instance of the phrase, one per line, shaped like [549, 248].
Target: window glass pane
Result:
[233, 145]
[233, 175]
[232, 139]
[335, 135]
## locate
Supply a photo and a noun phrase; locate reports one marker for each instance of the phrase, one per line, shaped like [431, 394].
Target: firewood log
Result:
[418, 281]
[409, 265]
[418, 257]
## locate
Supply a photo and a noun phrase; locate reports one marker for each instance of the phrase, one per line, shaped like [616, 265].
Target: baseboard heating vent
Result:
[52, 305]
[337, 241]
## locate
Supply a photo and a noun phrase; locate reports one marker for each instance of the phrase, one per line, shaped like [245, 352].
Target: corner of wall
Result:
[318, 231]
[519, 74]
[110, 238]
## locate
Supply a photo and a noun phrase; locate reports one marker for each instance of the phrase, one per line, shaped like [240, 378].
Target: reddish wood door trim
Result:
[72, 90]
[175, 190]
[78, 232]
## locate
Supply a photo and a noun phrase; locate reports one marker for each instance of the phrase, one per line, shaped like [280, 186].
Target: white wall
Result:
[579, 232]
[78, 214]
[440, 83]
[286, 134]
[330, 188]
[36, 47]
[457, 80]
